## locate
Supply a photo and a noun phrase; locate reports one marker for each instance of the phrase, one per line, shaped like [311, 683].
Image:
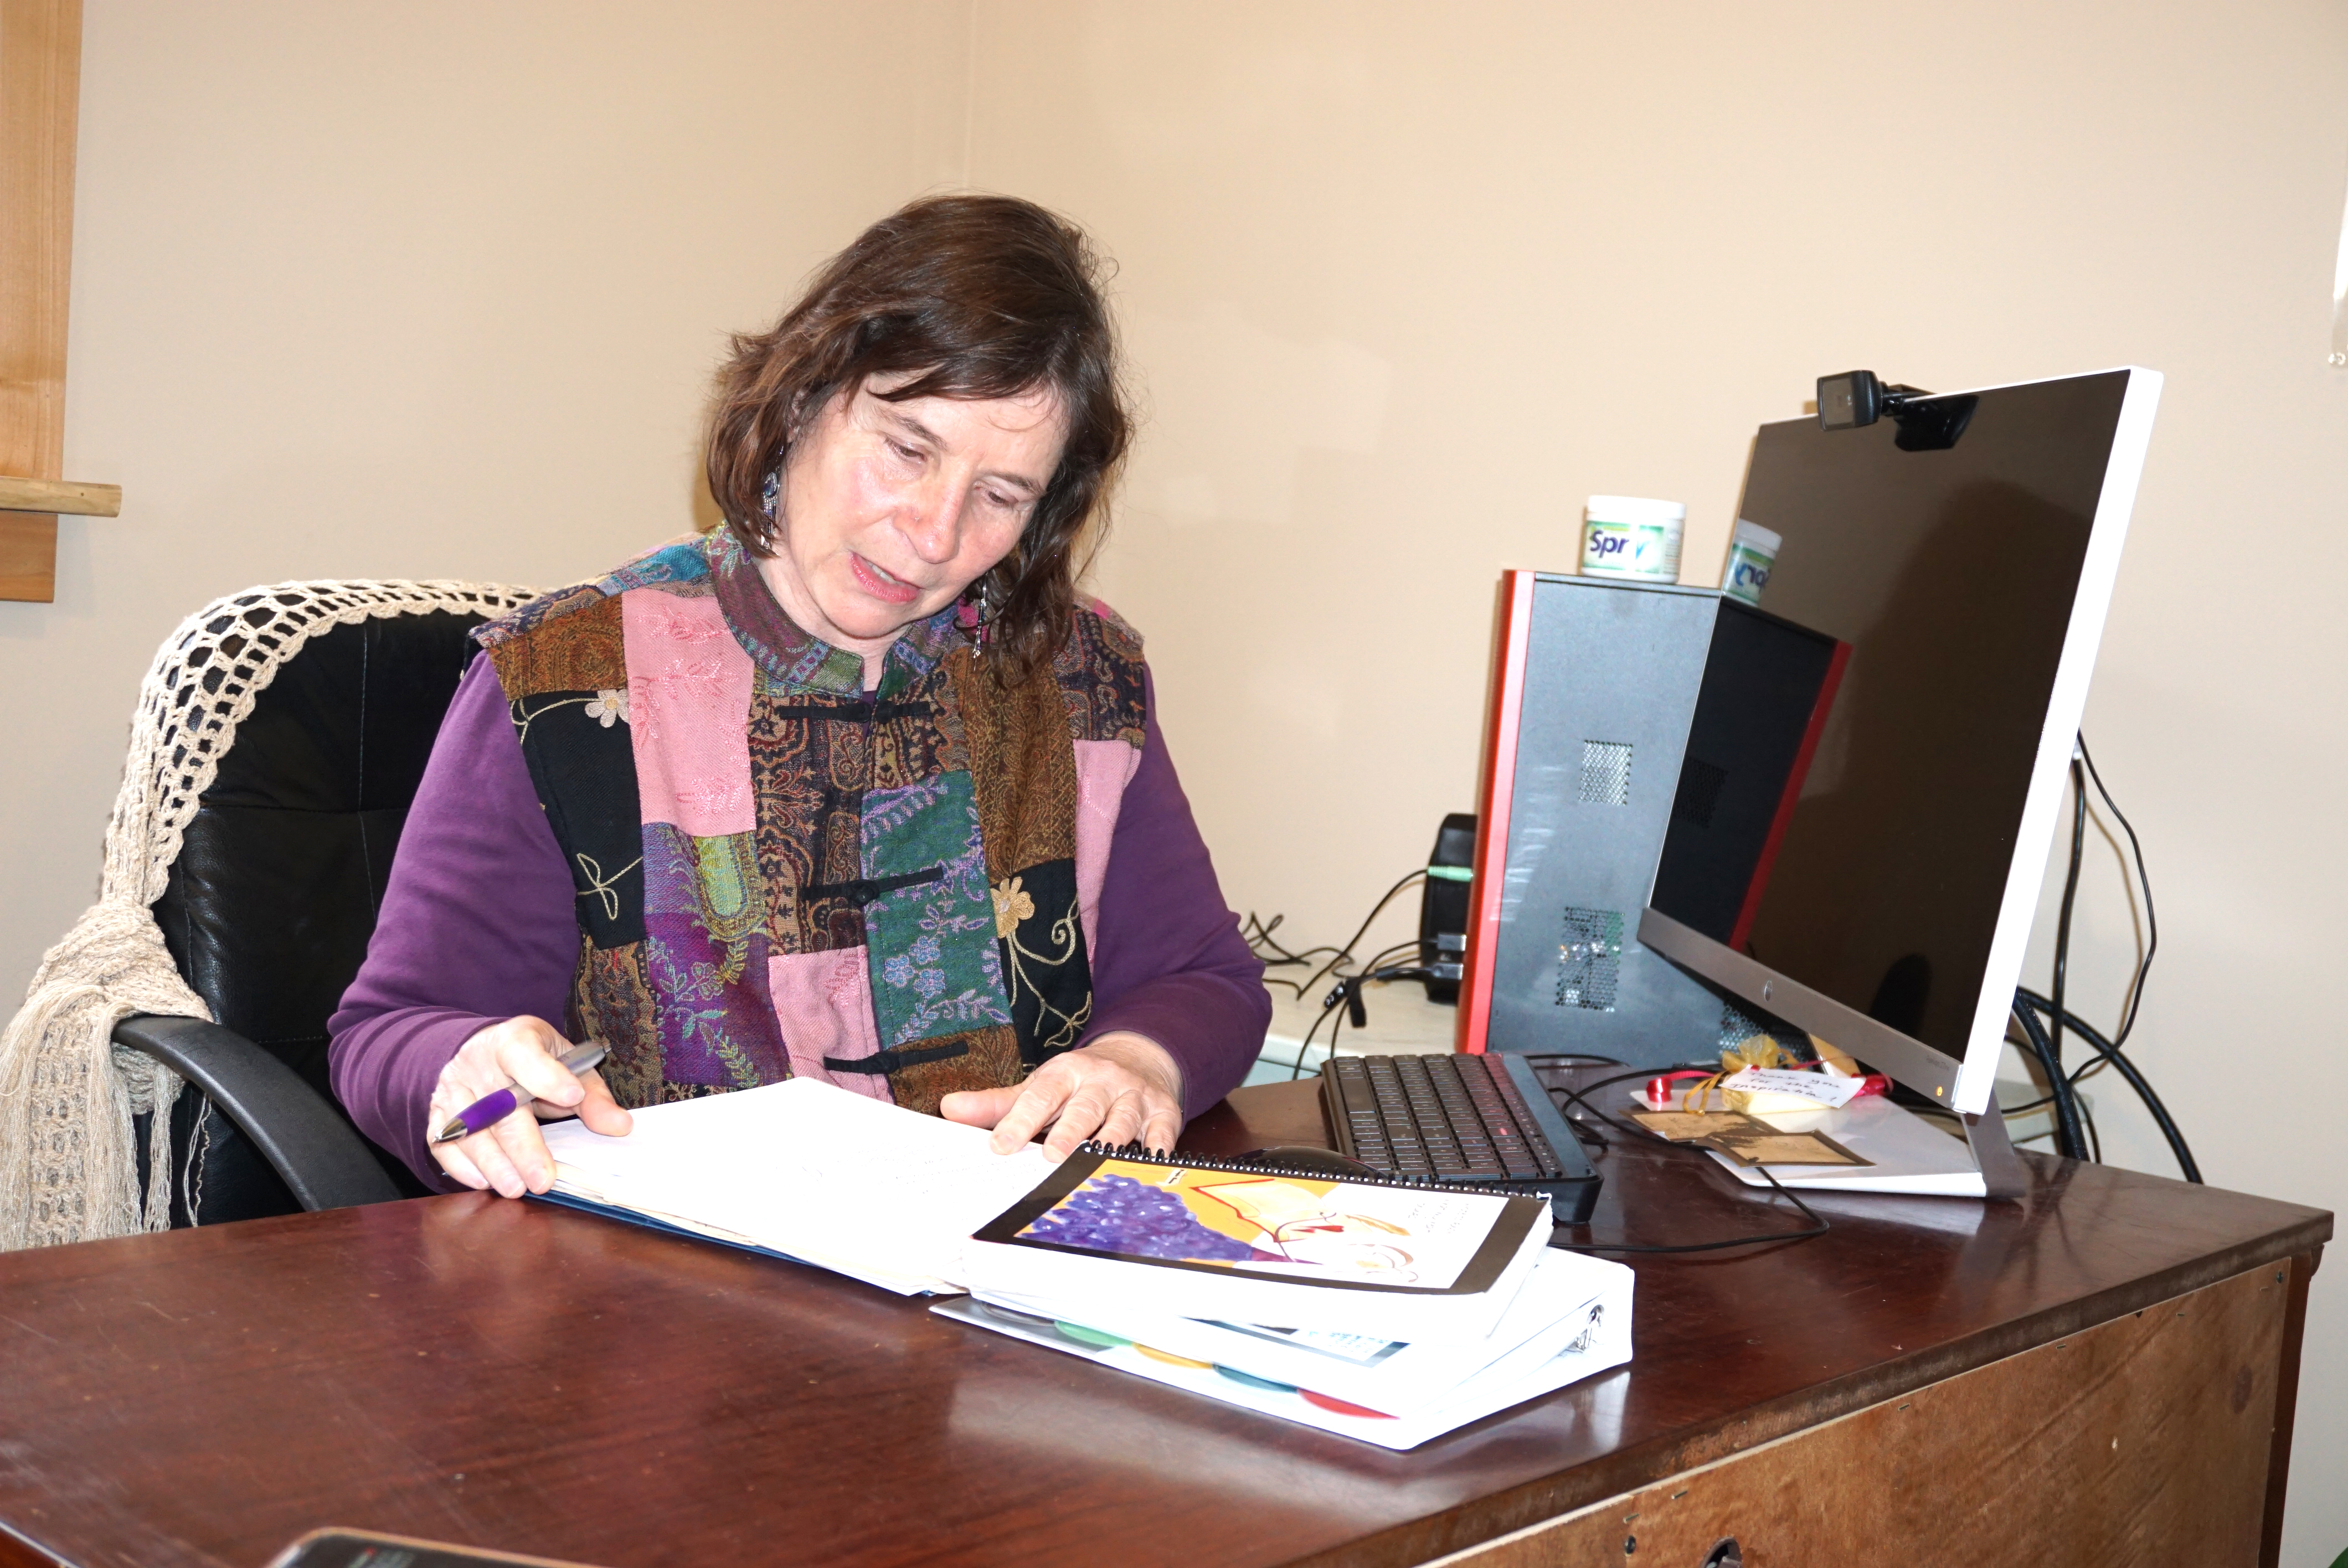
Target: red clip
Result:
[1657, 1095]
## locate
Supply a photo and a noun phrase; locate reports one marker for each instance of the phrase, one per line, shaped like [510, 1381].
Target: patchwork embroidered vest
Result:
[780, 873]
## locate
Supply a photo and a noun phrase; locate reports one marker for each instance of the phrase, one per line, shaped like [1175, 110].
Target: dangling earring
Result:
[976, 610]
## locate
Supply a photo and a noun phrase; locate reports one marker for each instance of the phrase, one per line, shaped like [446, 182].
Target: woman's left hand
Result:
[1119, 1088]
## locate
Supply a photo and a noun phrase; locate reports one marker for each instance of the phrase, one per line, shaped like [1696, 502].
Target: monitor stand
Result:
[1910, 1154]
[1994, 1157]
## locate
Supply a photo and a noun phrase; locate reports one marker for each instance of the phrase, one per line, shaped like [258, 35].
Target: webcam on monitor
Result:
[1856, 398]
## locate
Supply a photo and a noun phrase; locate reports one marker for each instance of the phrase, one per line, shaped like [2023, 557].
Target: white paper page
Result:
[901, 1283]
[810, 1170]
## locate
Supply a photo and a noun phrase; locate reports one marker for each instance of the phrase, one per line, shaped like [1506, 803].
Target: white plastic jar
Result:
[1632, 538]
[1752, 551]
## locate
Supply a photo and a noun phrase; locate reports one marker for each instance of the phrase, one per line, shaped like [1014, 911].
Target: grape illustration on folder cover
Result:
[1278, 1225]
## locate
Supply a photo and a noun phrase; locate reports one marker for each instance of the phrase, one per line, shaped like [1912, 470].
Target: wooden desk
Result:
[524, 1377]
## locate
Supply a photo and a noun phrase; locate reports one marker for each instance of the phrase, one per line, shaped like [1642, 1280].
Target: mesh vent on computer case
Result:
[1590, 960]
[1738, 1026]
[1699, 793]
[1605, 774]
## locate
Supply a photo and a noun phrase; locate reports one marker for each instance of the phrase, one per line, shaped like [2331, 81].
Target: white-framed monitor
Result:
[1876, 762]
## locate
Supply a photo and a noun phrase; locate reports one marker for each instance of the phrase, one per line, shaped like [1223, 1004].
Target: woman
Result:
[854, 788]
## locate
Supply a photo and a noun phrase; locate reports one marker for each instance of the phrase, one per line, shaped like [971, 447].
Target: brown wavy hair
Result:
[970, 297]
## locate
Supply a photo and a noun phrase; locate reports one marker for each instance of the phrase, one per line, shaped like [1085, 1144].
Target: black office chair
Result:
[269, 907]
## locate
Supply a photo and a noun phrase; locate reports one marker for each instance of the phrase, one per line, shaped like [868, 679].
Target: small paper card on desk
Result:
[1774, 1148]
[1819, 1088]
[1702, 1126]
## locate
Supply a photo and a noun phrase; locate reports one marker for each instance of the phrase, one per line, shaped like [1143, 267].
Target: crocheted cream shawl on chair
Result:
[68, 1167]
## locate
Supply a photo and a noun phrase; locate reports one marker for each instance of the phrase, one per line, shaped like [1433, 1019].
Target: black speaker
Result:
[1443, 905]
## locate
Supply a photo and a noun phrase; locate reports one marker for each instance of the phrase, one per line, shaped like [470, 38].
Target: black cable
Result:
[1818, 1225]
[1416, 875]
[1261, 936]
[2063, 920]
[2078, 1075]
[1341, 999]
[2070, 1141]
[1305, 1050]
[2144, 880]
[1377, 960]
[1590, 1136]
[2059, 1015]
[1346, 996]
[2108, 1050]
[1258, 935]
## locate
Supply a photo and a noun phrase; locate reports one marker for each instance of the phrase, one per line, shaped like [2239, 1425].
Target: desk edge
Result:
[1481, 1520]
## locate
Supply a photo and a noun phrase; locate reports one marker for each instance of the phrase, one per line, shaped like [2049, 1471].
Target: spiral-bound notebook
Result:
[1242, 1242]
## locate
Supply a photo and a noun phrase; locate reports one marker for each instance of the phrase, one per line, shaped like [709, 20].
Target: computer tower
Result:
[1593, 687]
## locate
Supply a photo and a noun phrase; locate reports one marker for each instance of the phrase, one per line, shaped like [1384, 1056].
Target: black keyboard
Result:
[1482, 1119]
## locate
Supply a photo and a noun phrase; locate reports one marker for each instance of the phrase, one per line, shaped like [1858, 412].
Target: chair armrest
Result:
[306, 1140]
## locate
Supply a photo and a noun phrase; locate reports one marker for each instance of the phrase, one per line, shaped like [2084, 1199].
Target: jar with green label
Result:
[1633, 539]
[1752, 552]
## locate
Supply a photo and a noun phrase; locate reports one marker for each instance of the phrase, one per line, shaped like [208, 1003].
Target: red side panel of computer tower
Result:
[1515, 635]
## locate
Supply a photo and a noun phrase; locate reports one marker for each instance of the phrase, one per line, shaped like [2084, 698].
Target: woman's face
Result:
[889, 510]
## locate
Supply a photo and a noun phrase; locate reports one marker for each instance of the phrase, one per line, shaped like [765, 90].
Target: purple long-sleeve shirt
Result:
[479, 925]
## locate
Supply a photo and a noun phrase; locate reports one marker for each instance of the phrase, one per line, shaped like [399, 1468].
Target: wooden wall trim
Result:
[55, 495]
[40, 100]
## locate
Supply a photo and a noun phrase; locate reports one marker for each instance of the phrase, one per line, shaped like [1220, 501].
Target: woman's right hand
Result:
[511, 1156]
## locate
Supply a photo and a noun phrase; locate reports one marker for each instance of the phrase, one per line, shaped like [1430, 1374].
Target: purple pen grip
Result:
[485, 1114]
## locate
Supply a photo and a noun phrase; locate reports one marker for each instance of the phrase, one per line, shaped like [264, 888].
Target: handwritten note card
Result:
[1833, 1092]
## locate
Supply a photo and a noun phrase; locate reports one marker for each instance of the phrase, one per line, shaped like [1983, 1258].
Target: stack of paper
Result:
[1389, 1313]
[1572, 1318]
[1405, 1311]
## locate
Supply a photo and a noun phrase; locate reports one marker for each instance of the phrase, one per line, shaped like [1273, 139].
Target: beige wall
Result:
[432, 289]
[1406, 283]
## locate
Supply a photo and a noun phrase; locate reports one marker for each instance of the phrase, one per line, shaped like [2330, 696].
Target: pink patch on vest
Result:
[1103, 770]
[688, 713]
[824, 1003]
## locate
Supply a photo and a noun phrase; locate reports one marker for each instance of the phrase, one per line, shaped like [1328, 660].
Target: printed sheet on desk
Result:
[815, 1173]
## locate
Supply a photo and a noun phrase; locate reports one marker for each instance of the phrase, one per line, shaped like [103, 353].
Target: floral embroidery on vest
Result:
[780, 873]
